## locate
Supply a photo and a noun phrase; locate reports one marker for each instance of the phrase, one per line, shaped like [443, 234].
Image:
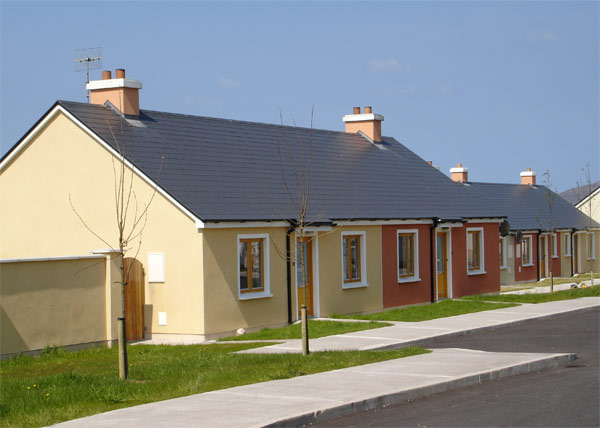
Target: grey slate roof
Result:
[528, 208]
[225, 170]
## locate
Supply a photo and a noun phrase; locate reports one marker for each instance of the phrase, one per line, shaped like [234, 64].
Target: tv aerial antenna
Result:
[86, 60]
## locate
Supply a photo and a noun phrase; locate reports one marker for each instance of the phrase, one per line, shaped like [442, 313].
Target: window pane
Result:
[257, 264]
[354, 254]
[473, 250]
[243, 265]
[345, 259]
[440, 254]
[405, 254]
[300, 264]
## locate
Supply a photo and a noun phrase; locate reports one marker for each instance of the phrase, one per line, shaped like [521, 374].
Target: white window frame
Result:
[266, 267]
[587, 249]
[156, 268]
[530, 252]
[503, 264]
[415, 276]
[553, 245]
[567, 238]
[363, 260]
[481, 269]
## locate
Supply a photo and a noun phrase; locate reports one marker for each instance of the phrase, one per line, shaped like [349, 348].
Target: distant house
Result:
[385, 227]
[546, 232]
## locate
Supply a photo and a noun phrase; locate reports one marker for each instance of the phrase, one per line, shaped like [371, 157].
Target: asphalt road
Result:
[563, 397]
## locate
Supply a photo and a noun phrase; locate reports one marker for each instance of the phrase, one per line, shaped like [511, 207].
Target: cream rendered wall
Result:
[224, 311]
[507, 274]
[565, 261]
[62, 160]
[591, 207]
[586, 264]
[40, 300]
[331, 296]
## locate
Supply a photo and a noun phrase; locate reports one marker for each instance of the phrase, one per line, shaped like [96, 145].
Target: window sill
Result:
[252, 296]
[476, 272]
[503, 267]
[590, 259]
[567, 255]
[410, 279]
[527, 265]
[555, 257]
[351, 285]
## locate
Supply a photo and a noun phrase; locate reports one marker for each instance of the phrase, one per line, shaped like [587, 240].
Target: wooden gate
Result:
[134, 299]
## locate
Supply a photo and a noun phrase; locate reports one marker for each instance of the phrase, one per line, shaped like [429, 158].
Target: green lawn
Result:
[442, 309]
[59, 385]
[573, 293]
[315, 328]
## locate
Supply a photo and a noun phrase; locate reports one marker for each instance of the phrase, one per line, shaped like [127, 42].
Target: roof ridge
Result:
[238, 121]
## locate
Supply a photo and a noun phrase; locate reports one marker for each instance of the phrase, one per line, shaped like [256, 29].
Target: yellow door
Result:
[304, 276]
[442, 266]
[543, 257]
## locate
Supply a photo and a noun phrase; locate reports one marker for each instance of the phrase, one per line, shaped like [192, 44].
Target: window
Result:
[502, 253]
[590, 244]
[253, 266]
[567, 238]
[553, 245]
[353, 259]
[526, 244]
[408, 256]
[475, 250]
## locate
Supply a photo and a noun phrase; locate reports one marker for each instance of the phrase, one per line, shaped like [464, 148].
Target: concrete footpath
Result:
[318, 397]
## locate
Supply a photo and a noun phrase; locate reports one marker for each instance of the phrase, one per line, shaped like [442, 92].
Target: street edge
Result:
[555, 360]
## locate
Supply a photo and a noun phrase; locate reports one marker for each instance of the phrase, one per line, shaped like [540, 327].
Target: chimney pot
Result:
[356, 110]
[368, 110]
[120, 73]
[430, 162]
[106, 75]
[459, 165]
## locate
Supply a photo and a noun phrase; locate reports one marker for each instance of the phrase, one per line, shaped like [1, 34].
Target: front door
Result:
[134, 299]
[543, 256]
[304, 275]
[575, 254]
[442, 265]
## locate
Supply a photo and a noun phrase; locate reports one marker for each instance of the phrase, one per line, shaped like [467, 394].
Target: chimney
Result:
[367, 123]
[528, 177]
[459, 174]
[121, 92]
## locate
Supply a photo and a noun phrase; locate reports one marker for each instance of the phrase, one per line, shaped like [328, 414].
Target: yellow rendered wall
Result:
[224, 311]
[52, 303]
[333, 298]
[565, 261]
[588, 265]
[38, 221]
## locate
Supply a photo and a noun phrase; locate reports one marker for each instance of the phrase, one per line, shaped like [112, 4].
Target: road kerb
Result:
[322, 415]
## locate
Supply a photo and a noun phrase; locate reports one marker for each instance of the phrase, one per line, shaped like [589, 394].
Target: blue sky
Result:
[498, 86]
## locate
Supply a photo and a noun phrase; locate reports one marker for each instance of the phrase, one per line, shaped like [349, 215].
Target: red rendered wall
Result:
[556, 261]
[527, 273]
[464, 284]
[405, 293]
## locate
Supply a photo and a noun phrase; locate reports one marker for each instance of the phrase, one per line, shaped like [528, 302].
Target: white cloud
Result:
[389, 64]
[228, 83]
[542, 36]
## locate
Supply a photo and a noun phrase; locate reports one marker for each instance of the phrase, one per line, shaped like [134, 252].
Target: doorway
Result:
[304, 275]
[134, 299]
[442, 258]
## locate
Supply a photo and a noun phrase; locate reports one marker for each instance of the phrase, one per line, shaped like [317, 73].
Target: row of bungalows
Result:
[547, 236]
[230, 207]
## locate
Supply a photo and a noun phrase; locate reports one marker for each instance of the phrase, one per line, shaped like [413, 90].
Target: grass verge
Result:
[59, 385]
[316, 329]
[573, 293]
[445, 308]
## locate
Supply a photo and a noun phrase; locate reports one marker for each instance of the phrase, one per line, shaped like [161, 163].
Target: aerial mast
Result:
[88, 59]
